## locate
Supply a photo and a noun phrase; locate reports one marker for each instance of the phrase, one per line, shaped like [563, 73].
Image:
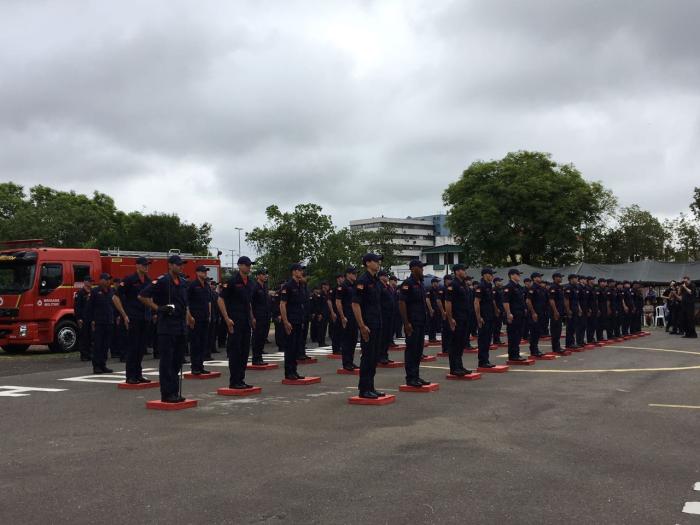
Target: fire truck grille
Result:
[9, 312]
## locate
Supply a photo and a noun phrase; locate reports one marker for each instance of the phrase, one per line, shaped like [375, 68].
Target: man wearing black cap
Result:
[435, 316]
[457, 315]
[485, 309]
[398, 322]
[601, 325]
[261, 303]
[638, 298]
[167, 296]
[335, 328]
[527, 282]
[388, 298]
[536, 304]
[473, 326]
[215, 320]
[137, 334]
[628, 307]
[573, 310]
[613, 327]
[514, 305]
[100, 311]
[199, 305]
[366, 308]
[235, 307]
[343, 303]
[82, 297]
[324, 314]
[292, 304]
[498, 320]
[445, 329]
[413, 305]
[687, 309]
[592, 313]
[557, 311]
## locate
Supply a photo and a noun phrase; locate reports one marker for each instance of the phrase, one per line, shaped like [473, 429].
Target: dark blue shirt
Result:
[367, 293]
[514, 295]
[128, 293]
[80, 305]
[537, 294]
[344, 293]
[236, 294]
[100, 307]
[412, 294]
[557, 293]
[458, 295]
[571, 293]
[485, 294]
[199, 298]
[165, 290]
[261, 302]
[292, 294]
[388, 301]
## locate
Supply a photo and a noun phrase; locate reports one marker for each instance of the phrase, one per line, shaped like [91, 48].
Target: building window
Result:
[433, 258]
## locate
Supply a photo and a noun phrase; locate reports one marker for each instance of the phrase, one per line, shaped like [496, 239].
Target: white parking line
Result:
[21, 391]
[692, 507]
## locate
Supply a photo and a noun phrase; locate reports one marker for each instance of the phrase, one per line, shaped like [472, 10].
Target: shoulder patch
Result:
[154, 281]
[405, 287]
[359, 286]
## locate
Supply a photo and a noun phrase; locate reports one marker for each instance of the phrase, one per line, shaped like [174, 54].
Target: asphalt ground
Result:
[600, 437]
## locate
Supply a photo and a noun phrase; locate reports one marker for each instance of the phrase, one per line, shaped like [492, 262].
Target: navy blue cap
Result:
[296, 266]
[371, 257]
[527, 280]
[244, 259]
[495, 279]
[382, 273]
[459, 266]
[557, 274]
[175, 259]
[535, 274]
[572, 275]
[468, 277]
[416, 262]
[105, 276]
[201, 268]
[350, 269]
[514, 271]
[602, 280]
[434, 280]
[143, 261]
[87, 279]
[611, 280]
[484, 271]
[447, 278]
[393, 278]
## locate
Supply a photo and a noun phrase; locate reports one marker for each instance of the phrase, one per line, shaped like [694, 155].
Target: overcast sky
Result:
[214, 110]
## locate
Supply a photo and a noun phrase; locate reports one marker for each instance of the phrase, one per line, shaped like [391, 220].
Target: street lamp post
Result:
[239, 239]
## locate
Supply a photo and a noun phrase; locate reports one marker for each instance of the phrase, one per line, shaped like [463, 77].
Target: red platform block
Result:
[471, 350]
[498, 369]
[159, 405]
[384, 400]
[343, 372]
[619, 340]
[399, 348]
[589, 347]
[266, 366]
[428, 358]
[546, 338]
[502, 345]
[433, 344]
[310, 361]
[239, 391]
[210, 375]
[576, 349]
[545, 357]
[566, 352]
[305, 381]
[334, 356]
[472, 338]
[493, 347]
[469, 377]
[395, 364]
[432, 387]
[524, 341]
[646, 333]
[443, 354]
[528, 362]
[598, 344]
[140, 386]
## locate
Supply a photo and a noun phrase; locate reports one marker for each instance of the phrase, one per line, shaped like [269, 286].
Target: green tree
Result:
[525, 208]
[685, 238]
[695, 205]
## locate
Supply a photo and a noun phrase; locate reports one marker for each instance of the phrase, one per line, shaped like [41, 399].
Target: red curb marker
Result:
[471, 350]
[433, 343]
[310, 361]
[589, 347]
[545, 357]
[493, 347]
[159, 405]
[469, 377]
[432, 387]
[399, 348]
[384, 400]
[395, 364]
[428, 358]
[498, 369]
[305, 381]
[442, 354]
[528, 362]
[266, 366]
[343, 372]
[576, 349]
[524, 341]
[239, 391]
[210, 375]
[140, 386]
[334, 356]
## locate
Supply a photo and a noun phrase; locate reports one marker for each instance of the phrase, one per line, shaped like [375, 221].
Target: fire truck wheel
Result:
[65, 337]
[15, 349]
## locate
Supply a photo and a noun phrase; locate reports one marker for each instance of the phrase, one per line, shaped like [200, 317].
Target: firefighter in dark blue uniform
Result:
[486, 311]
[398, 321]
[413, 305]
[611, 321]
[235, 307]
[472, 325]
[527, 282]
[457, 316]
[117, 341]
[618, 308]
[388, 300]
[215, 320]
[601, 325]
[573, 310]
[592, 313]
[557, 310]
[343, 301]
[628, 307]
[199, 302]
[335, 329]
[262, 311]
[638, 299]
[498, 320]
[167, 296]
[100, 311]
[323, 316]
[137, 335]
[445, 330]
[80, 311]
[292, 304]
[536, 305]
[514, 306]
[366, 307]
[435, 317]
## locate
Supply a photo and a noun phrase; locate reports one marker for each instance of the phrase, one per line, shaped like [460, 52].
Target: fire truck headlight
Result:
[23, 331]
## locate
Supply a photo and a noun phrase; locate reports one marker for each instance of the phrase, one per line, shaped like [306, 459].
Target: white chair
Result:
[660, 315]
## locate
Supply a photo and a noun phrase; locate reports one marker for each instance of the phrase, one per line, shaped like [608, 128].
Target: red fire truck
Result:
[38, 285]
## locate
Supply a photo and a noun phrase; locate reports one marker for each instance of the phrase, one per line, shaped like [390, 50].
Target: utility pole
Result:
[239, 239]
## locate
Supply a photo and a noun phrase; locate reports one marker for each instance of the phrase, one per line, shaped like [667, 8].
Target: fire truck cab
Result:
[38, 287]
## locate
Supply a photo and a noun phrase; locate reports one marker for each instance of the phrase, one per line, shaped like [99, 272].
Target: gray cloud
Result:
[215, 111]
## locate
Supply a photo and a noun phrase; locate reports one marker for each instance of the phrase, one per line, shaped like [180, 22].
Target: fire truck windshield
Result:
[17, 272]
